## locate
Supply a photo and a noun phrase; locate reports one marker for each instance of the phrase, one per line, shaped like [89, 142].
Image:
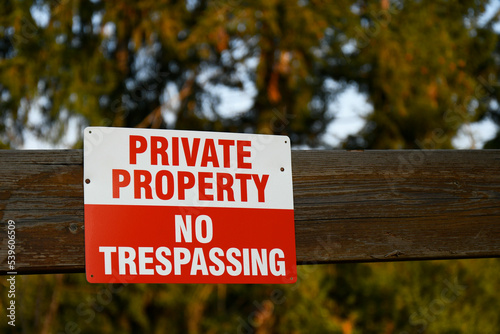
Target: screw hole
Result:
[87, 181]
[90, 131]
[282, 169]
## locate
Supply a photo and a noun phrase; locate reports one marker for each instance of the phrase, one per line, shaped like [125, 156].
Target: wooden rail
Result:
[349, 206]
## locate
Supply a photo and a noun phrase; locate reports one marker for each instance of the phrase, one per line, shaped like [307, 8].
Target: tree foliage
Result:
[401, 297]
[424, 65]
[164, 64]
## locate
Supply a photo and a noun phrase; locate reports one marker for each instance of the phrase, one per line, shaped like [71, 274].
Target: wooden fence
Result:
[350, 206]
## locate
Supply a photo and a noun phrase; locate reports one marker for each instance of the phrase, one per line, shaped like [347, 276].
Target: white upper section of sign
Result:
[125, 166]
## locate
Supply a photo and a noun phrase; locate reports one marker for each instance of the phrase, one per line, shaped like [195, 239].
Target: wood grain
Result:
[349, 206]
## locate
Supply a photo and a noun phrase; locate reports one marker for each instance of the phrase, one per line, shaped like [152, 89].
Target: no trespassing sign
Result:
[168, 206]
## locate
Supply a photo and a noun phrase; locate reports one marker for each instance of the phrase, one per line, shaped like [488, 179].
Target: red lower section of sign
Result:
[152, 244]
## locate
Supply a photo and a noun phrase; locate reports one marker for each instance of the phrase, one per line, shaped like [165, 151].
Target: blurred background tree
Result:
[459, 296]
[427, 68]
[163, 64]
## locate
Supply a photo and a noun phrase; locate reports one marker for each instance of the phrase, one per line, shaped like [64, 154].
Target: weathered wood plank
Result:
[379, 205]
[349, 206]
[42, 192]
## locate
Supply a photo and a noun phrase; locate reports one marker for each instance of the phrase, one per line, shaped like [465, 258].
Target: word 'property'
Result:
[205, 168]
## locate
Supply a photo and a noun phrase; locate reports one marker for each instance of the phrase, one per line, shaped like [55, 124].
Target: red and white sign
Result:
[165, 206]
